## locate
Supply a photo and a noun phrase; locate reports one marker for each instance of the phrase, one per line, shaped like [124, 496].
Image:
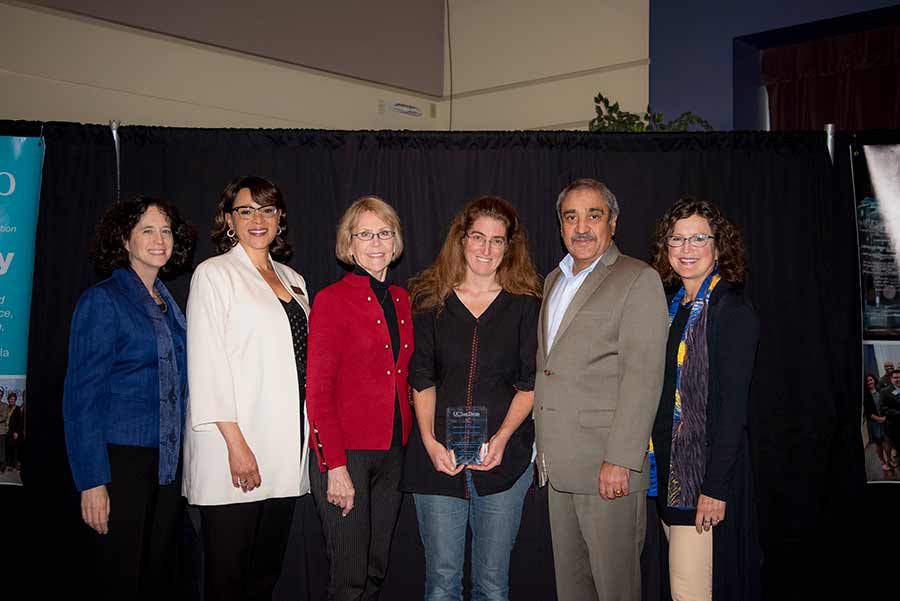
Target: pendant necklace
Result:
[160, 302]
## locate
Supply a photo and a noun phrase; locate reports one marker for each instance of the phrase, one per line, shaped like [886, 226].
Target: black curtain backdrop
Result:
[793, 207]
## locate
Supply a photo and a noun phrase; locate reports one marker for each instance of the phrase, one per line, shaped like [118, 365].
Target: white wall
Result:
[517, 64]
[58, 67]
[527, 64]
[336, 36]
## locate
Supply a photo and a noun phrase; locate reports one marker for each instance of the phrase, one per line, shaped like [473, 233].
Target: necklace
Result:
[157, 297]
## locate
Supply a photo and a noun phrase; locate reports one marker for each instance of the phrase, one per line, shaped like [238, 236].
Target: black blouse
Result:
[501, 345]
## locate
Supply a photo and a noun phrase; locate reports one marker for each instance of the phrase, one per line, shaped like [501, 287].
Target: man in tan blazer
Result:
[601, 352]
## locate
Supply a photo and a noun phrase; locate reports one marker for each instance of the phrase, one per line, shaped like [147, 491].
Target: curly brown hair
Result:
[728, 241]
[429, 289]
[114, 229]
[264, 193]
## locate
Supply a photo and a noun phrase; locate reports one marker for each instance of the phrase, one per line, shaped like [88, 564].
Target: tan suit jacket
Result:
[598, 388]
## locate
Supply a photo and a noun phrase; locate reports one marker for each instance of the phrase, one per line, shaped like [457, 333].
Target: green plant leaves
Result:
[611, 118]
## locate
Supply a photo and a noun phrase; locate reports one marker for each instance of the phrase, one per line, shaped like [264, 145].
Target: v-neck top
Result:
[481, 361]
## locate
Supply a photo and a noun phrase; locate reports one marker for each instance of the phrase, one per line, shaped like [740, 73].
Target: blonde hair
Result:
[351, 217]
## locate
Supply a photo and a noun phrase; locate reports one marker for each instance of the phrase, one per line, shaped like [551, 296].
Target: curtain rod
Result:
[114, 128]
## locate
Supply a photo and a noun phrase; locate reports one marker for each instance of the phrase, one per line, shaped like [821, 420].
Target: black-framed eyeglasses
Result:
[247, 212]
[697, 240]
[478, 239]
[367, 235]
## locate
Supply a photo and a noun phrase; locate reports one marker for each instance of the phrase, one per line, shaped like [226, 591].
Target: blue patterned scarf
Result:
[691, 389]
[687, 460]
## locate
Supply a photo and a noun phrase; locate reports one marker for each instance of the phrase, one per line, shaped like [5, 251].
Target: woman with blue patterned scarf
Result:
[700, 455]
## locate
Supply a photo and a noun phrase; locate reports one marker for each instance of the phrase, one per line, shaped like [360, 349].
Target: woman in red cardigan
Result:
[360, 342]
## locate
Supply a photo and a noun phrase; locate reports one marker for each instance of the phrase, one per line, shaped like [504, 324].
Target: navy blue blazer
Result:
[112, 382]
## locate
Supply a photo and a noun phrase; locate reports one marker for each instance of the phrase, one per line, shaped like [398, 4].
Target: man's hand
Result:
[612, 481]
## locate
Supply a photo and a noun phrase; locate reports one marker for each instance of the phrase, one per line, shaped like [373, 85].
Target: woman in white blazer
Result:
[245, 457]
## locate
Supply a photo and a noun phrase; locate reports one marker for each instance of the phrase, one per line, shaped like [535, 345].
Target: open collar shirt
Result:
[563, 292]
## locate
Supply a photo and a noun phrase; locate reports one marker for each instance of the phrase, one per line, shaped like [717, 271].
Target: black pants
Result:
[359, 545]
[141, 556]
[11, 449]
[243, 547]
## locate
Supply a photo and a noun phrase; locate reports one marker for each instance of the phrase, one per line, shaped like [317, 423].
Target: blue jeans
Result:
[494, 520]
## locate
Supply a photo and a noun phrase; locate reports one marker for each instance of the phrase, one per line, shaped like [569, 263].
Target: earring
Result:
[230, 233]
[278, 231]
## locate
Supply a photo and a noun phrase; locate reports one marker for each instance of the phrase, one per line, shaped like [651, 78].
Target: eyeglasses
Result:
[366, 235]
[247, 212]
[479, 240]
[697, 240]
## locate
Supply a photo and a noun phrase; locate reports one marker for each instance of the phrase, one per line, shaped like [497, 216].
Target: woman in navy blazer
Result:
[125, 397]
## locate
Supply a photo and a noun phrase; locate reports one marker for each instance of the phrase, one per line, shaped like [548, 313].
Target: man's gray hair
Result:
[589, 184]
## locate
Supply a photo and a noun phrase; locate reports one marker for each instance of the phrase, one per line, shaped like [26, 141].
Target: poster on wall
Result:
[876, 183]
[878, 226]
[21, 160]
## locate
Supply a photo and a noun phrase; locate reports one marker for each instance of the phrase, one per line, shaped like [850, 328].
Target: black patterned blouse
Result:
[299, 333]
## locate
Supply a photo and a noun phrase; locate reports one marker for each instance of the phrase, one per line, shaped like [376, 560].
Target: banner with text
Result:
[21, 160]
[876, 181]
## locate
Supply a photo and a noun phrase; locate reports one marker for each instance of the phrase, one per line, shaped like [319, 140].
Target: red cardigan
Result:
[351, 377]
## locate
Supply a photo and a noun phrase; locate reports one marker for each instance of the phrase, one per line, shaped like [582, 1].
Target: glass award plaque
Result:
[466, 433]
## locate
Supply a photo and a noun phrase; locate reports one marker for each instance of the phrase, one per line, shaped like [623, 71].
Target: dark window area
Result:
[844, 71]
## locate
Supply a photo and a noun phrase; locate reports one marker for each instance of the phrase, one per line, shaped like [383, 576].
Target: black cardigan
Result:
[732, 338]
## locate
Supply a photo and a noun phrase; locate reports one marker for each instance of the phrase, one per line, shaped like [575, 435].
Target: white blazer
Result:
[241, 368]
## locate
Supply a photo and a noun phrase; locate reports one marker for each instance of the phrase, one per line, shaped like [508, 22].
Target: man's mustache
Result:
[583, 238]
